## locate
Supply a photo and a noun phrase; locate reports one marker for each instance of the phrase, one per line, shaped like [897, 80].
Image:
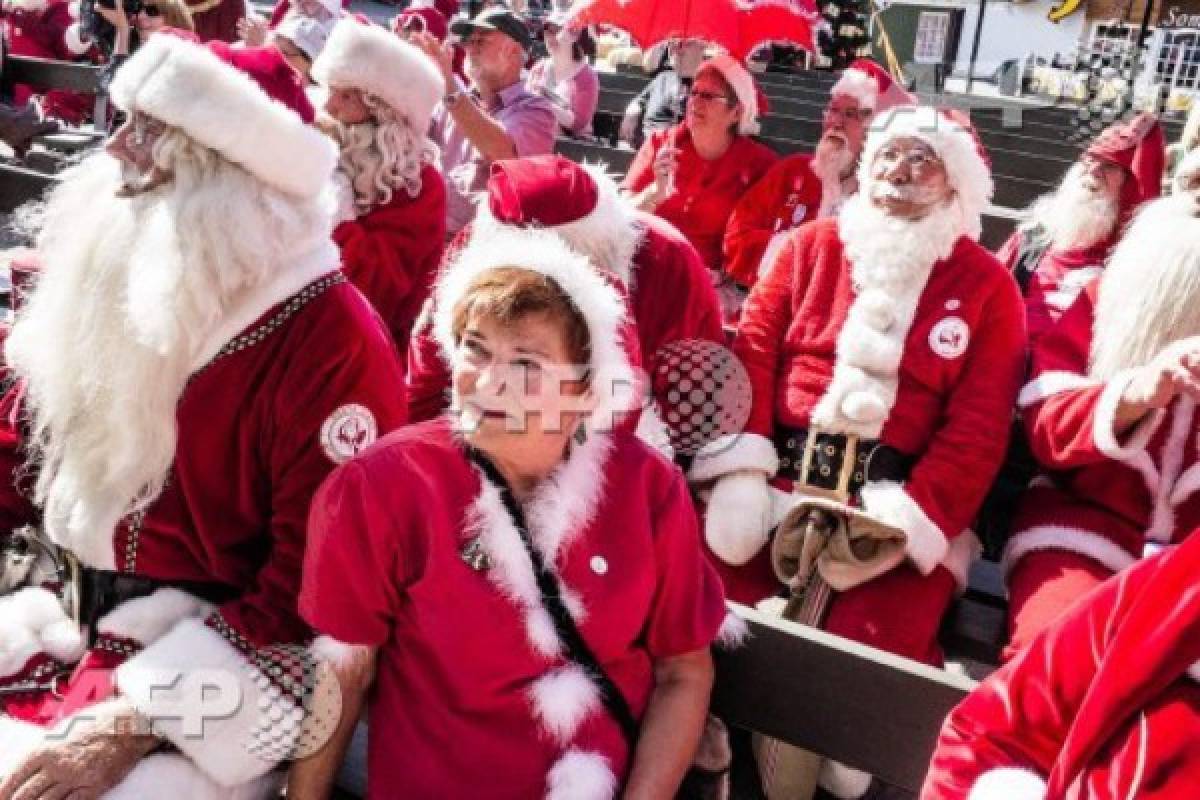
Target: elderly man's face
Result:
[908, 179]
[845, 121]
[492, 58]
[133, 145]
[347, 106]
[1101, 177]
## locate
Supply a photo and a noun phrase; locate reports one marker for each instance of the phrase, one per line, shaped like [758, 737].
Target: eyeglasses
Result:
[916, 160]
[852, 114]
[710, 97]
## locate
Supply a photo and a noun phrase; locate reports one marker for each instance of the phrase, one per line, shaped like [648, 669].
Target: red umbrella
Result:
[740, 26]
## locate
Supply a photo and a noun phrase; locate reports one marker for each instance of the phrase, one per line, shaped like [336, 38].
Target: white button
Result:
[599, 565]
[953, 304]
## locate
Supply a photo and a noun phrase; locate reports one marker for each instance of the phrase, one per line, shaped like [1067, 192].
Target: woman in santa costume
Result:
[694, 173]
[48, 29]
[526, 582]
[1103, 705]
[804, 187]
[382, 92]
[190, 366]
[1110, 416]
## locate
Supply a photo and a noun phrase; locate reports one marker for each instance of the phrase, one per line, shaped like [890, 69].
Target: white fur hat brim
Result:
[188, 87]
[378, 62]
[966, 170]
[614, 382]
[859, 85]
[742, 83]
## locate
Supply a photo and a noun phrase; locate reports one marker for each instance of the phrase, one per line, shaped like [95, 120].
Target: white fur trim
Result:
[562, 699]
[731, 453]
[336, 652]
[1193, 671]
[30, 6]
[610, 235]
[187, 86]
[966, 169]
[164, 683]
[1008, 783]
[742, 83]
[160, 774]
[147, 619]
[1106, 409]
[1073, 540]
[1051, 383]
[73, 39]
[581, 775]
[733, 633]
[17, 740]
[841, 781]
[1170, 484]
[888, 502]
[737, 519]
[774, 247]
[374, 60]
[964, 550]
[615, 386]
[293, 275]
[32, 621]
[859, 85]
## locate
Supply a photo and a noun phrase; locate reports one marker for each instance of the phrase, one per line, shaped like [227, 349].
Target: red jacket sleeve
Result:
[752, 224]
[428, 376]
[641, 172]
[16, 507]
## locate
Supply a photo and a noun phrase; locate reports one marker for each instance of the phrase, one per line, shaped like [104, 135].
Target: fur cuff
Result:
[1008, 783]
[733, 633]
[204, 696]
[154, 773]
[1073, 540]
[1051, 383]
[32, 621]
[147, 619]
[731, 453]
[1106, 409]
[737, 519]
[890, 503]
[73, 39]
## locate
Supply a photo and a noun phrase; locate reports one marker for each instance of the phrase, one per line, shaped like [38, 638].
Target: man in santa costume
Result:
[47, 29]
[1102, 705]
[190, 366]
[804, 186]
[671, 298]
[1068, 234]
[392, 209]
[1110, 416]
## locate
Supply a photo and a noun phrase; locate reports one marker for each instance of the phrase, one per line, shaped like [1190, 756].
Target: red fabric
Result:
[1099, 705]
[1138, 147]
[42, 34]
[545, 190]
[1056, 282]
[705, 191]
[392, 253]
[788, 195]
[451, 710]
[890, 94]
[91, 682]
[951, 413]
[431, 18]
[281, 9]
[739, 28]
[269, 69]
[665, 266]
[220, 21]
[1044, 586]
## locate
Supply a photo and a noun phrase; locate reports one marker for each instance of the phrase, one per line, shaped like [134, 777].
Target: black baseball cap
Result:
[495, 19]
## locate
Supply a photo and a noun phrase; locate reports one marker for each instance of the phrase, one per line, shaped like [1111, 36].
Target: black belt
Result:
[100, 591]
[827, 453]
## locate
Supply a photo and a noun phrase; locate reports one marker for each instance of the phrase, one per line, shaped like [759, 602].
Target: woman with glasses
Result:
[693, 174]
[149, 18]
[565, 77]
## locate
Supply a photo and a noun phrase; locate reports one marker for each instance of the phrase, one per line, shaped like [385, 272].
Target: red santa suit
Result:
[1053, 281]
[1103, 705]
[298, 377]
[390, 251]
[48, 29]
[671, 299]
[926, 358]
[791, 192]
[467, 649]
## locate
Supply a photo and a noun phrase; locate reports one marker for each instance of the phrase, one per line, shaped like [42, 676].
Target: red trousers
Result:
[1041, 586]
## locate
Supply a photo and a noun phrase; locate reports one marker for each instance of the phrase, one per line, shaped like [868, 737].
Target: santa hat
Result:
[428, 19]
[955, 143]
[581, 204]
[308, 34]
[872, 87]
[743, 86]
[597, 301]
[1137, 146]
[371, 59]
[247, 104]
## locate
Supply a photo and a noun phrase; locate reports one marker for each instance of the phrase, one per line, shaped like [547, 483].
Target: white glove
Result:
[738, 517]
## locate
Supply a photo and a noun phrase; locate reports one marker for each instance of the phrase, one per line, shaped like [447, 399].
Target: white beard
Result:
[830, 163]
[888, 252]
[132, 293]
[1150, 290]
[1074, 217]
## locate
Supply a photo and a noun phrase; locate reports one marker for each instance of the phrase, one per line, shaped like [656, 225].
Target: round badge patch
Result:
[347, 432]
[949, 337]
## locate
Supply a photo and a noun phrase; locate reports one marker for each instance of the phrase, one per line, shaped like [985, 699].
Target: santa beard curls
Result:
[1150, 290]
[133, 290]
[832, 162]
[1076, 216]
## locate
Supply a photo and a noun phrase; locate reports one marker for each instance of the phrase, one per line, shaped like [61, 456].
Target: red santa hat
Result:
[581, 204]
[953, 140]
[369, 58]
[1137, 146]
[742, 83]
[614, 383]
[871, 86]
[427, 19]
[246, 103]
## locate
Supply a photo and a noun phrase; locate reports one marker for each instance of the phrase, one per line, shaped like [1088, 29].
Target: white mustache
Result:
[908, 194]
